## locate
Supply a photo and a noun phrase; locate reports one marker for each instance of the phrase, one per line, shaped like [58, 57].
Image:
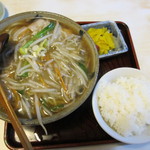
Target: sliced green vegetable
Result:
[24, 74]
[51, 108]
[24, 49]
[57, 107]
[25, 62]
[44, 43]
[38, 48]
[20, 92]
[85, 69]
[44, 103]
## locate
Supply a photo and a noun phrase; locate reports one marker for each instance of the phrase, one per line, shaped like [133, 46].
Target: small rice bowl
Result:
[124, 104]
[121, 105]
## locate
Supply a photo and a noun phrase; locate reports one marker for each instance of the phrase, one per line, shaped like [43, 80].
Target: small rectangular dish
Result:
[120, 45]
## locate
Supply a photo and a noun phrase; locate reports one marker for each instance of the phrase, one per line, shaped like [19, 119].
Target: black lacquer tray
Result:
[79, 128]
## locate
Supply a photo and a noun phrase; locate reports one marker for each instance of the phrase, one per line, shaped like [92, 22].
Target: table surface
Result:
[135, 13]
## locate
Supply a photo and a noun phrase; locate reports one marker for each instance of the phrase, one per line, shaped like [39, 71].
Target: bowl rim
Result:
[2, 11]
[127, 71]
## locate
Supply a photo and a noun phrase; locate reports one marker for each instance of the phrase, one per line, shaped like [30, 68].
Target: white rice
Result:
[125, 104]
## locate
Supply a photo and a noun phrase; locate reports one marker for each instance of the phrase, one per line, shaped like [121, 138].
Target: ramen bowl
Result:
[64, 26]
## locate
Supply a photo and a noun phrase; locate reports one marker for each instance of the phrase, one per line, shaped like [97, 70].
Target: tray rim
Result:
[75, 144]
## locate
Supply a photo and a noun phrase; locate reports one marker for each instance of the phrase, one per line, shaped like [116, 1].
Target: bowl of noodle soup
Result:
[48, 67]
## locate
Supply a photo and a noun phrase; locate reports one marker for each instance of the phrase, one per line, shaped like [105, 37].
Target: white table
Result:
[135, 13]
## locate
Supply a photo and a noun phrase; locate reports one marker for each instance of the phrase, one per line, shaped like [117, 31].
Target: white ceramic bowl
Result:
[112, 75]
[2, 11]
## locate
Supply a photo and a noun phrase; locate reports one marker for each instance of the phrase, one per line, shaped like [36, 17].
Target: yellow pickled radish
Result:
[103, 38]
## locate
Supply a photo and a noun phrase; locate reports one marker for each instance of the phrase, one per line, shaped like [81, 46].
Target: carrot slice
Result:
[57, 71]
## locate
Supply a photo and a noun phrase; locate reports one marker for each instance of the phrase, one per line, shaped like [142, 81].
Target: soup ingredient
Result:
[81, 65]
[3, 40]
[51, 109]
[103, 38]
[6, 51]
[43, 32]
[46, 74]
[37, 25]
[124, 104]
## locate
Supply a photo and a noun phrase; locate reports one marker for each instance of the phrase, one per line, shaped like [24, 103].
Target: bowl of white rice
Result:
[121, 105]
